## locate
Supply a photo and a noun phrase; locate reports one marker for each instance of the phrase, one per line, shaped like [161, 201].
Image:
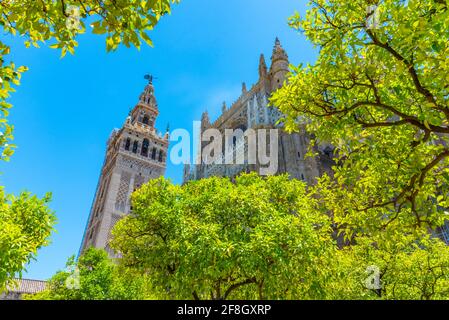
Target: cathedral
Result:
[251, 111]
[135, 154]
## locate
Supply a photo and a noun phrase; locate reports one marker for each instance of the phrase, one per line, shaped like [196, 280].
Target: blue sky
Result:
[65, 109]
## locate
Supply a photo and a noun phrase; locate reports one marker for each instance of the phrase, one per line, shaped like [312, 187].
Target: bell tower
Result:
[135, 154]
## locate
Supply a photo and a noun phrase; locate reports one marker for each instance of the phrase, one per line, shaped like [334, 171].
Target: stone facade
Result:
[135, 154]
[251, 110]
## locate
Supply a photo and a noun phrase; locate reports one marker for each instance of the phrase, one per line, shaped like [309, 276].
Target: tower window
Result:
[145, 146]
[145, 120]
[135, 146]
[127, 144]
[153, 154]
[299, 155]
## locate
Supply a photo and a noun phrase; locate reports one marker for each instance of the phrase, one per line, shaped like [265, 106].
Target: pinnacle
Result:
[277, 42]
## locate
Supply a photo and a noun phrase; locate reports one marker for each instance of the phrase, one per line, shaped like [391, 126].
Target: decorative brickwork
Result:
[123, 191]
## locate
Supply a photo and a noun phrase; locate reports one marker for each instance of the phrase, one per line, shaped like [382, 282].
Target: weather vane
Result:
[150, 78]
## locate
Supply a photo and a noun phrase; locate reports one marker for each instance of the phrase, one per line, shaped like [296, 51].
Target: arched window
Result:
[145, 146]
[161, 155]
[153, 154]
[135, 146]
[146, 120]
[127, 144]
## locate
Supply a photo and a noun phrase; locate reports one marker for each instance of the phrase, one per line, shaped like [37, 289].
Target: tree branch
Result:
[412, 71]
[237, 285]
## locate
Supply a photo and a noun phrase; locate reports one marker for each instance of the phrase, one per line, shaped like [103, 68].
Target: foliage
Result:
[379, 93]
[257, 238]
[93, 277]
[26, 223]
[123, 21]
[214, 239]
[268, 238]
[407, 266]
[9, 76]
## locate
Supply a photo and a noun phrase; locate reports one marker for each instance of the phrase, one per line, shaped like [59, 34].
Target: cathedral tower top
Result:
[278, 52]
[279, 65]
[146, 110]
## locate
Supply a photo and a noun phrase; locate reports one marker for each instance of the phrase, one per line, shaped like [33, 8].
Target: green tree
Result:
[389, 266]
[94, 277]
[26, 223]
[257, 238]
[379, 93]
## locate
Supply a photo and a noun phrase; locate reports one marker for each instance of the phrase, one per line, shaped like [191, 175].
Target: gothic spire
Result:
[244, 87]
[205, 117]
[277, 43]
[224, 107]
